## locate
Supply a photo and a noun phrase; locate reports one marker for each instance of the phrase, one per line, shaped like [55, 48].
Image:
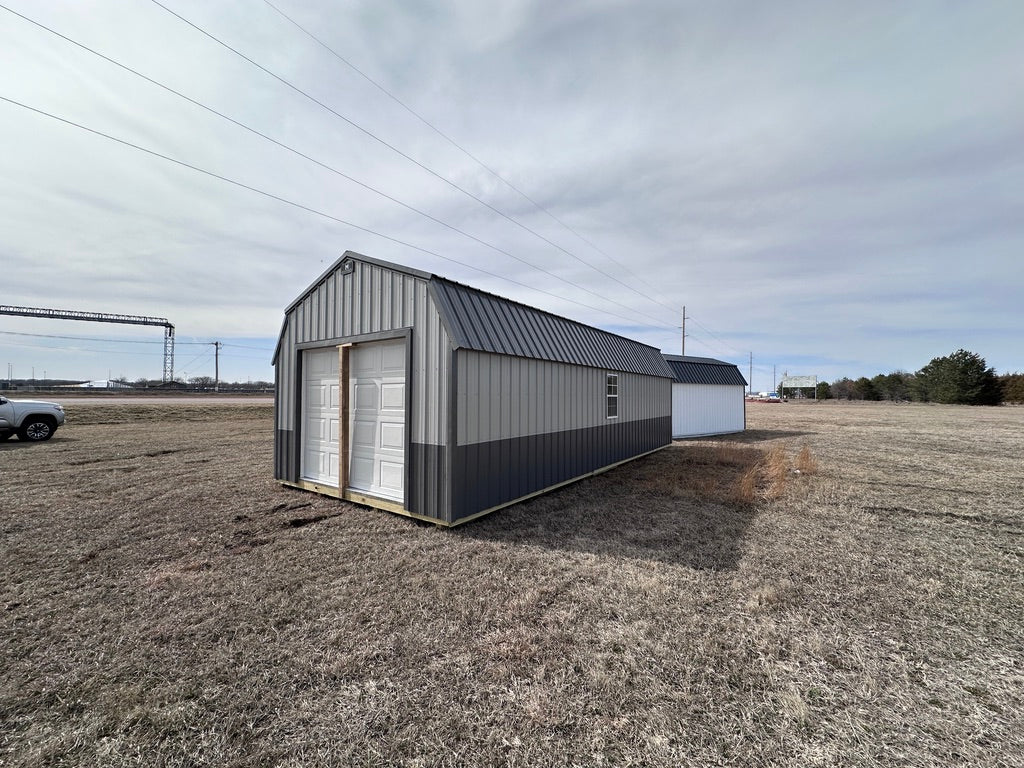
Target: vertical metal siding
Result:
[486, 475]
[502, 397]
[706, 409]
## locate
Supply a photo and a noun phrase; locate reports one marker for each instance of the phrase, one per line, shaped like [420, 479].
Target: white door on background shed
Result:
[320, 398]
[377, 434]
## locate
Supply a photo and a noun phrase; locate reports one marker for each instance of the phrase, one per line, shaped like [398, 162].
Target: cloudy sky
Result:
[834, 188]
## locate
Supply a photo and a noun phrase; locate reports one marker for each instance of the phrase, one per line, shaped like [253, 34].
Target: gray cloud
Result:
[831, 186]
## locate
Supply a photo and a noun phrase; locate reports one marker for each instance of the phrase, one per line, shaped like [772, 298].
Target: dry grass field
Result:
[164, 603]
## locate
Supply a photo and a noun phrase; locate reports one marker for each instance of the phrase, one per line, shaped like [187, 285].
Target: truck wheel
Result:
[36, 429]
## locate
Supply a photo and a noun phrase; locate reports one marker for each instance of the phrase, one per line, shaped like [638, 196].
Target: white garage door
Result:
[377, 397]
[320, 416]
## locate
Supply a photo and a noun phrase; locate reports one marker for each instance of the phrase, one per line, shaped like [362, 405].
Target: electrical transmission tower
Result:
[102, 317]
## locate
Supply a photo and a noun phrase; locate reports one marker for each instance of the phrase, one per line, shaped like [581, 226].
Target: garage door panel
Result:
[392, 358]
[311, 459]
[392, 476]
[365, 395]
[361, 473]
[392, 436]
[377, 464]
[317, 429]
[315, 394]
[362, 360]
[320, 425]
[364, 434]
[392, 396]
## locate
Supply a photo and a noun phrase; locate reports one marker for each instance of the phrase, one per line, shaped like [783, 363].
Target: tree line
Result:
[201, 384]
[962, 377]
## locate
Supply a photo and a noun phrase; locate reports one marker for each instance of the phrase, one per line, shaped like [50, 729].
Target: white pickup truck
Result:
[32, 420]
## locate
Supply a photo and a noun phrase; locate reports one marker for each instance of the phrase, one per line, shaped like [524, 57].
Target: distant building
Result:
[103, 384]
[707, 397]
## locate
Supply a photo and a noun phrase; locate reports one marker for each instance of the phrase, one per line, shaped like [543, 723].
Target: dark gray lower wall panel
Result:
[286, 460]
[488, 474]
[426, 496]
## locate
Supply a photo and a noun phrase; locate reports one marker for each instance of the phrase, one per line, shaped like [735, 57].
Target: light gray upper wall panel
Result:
[501, 397]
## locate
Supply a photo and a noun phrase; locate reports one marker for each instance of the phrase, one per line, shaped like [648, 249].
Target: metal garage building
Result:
[707, 397]
[408, 392]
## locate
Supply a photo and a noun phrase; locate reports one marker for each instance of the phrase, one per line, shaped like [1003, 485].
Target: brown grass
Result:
[164, 603]
[806, 463]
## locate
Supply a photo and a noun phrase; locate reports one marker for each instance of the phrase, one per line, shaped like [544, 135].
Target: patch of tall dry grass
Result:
[769, 478]
[729, 473]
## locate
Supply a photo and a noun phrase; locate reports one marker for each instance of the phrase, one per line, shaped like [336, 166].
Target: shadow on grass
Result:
[689, 505]
[758, 435]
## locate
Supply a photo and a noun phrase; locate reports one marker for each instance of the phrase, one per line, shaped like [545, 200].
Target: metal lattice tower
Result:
[103, 317]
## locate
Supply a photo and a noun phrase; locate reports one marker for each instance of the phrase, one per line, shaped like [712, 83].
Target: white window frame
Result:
[611, 395]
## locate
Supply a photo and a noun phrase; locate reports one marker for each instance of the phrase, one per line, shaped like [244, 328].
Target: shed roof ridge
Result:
[701, 370]
[696, 359]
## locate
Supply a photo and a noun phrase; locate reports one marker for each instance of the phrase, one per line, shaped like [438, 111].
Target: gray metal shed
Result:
[408, 392]
[708, 397]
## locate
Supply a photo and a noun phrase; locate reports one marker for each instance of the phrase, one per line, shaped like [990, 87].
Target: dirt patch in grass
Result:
[164, 603]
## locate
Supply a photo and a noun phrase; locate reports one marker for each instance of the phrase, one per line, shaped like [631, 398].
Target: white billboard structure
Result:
[799, 383]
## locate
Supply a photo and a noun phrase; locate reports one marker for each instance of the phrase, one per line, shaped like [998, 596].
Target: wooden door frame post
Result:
[344, 451]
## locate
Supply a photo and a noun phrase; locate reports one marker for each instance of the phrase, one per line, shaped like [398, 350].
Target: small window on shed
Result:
[612, 395]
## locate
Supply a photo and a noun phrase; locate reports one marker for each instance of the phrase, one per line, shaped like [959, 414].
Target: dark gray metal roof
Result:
[704, 370]
[487, 323]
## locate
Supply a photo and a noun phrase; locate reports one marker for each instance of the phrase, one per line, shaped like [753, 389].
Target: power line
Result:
[201, 357]
[140, 353]
[369, 187]
[485, 166]
[323, 165]
[244, 346]
[79, 338]
[306, 208]
[396, 150]
[234, 356]
[95, 338]
[51, 348]
[471, 156]
[711, 333]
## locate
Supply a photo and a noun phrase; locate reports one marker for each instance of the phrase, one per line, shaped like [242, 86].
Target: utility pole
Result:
[750, 373]
[216, 366]
[683, 351]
